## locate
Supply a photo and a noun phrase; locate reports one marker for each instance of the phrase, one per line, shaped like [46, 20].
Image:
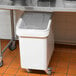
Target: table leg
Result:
[1, 62]
[13, 44]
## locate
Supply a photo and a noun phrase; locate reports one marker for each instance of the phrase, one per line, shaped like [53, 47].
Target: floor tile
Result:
[64, 58]
[11, 71]
[53, 64]
[6, 62]
[71, 75]
[72, 65]
[59, 74]
[62, 64]
[56, 54]
[8, 75]
[8, 59]
[47, 75]
[61, 70]
[1, 74]
[73, 55]
[72, 70]
[21, 72]
[53, 69]
[3, 69]
[21, 75]
[73, 50]
[15, 64]
[73, 59]
[30, 74]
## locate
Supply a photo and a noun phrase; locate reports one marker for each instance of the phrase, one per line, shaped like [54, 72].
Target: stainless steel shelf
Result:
[59, 5]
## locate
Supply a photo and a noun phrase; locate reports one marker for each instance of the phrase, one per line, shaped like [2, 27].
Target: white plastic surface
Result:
[33, 53]
[36, 53]
[34, 24]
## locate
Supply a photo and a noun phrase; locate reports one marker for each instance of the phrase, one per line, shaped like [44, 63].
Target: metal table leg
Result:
[13, 44]
[12, 25]
[0, 55]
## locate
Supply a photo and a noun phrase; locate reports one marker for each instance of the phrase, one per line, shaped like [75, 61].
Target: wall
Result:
[64, 25]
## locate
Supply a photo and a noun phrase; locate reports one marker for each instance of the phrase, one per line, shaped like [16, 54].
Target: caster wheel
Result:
[29, 71]
[1, 63]
[49, 68]
[49, 72]
[12, 46]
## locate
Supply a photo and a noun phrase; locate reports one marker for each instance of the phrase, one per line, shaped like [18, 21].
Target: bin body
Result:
[36, 50]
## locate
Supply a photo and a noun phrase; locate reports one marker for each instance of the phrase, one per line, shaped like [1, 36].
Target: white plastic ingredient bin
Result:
[35, 40]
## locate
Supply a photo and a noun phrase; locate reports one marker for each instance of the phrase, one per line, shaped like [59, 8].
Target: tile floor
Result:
[63, 62]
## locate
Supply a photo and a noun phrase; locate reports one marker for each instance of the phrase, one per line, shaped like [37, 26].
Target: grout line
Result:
[40, 74]
[2, 74]
[68, 64]
[14, 75]
[28, 74]
[61, 72]
[9, 74]
[9, 64]
[73, 74]
[67, 70]
[17, 70]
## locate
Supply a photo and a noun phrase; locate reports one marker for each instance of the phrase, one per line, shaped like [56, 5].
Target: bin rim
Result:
[44, 30]
[33, 32]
